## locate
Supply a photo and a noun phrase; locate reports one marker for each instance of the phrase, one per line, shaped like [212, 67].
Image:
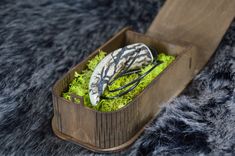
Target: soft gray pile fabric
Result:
[41, 40]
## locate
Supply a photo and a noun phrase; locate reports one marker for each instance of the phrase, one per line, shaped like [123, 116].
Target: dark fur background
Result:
[41, 39]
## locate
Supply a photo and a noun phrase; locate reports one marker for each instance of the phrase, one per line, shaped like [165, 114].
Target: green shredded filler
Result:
[79, 84]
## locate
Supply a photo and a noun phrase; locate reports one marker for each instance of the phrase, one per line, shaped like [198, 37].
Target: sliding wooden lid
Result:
[201, 23]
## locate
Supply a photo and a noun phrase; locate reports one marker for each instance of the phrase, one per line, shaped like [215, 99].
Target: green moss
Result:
[79, 85]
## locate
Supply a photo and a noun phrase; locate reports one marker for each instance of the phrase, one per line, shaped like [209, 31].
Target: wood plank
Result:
[199, 22]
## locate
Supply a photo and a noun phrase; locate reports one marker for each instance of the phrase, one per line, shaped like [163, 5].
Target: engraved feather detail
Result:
[127, 58]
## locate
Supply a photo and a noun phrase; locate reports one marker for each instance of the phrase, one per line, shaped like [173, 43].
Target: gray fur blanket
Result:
[41, 40]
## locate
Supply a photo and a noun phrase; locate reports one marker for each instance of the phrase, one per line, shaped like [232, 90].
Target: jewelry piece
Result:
[123, 61]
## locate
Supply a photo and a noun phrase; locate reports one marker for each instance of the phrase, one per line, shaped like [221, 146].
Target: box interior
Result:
[120, 40]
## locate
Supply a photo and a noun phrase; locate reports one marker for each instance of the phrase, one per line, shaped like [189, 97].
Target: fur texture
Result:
[41, 40]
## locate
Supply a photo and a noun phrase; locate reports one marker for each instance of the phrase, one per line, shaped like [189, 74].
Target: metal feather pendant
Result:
[123, 61]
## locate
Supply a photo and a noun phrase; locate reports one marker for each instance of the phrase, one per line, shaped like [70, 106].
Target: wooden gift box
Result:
[113, 131]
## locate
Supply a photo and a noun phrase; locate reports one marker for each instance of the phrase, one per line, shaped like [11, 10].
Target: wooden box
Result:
[113, 131]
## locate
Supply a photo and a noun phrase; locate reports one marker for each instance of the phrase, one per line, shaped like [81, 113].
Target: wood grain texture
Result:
[112, 131]
[201, 23]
